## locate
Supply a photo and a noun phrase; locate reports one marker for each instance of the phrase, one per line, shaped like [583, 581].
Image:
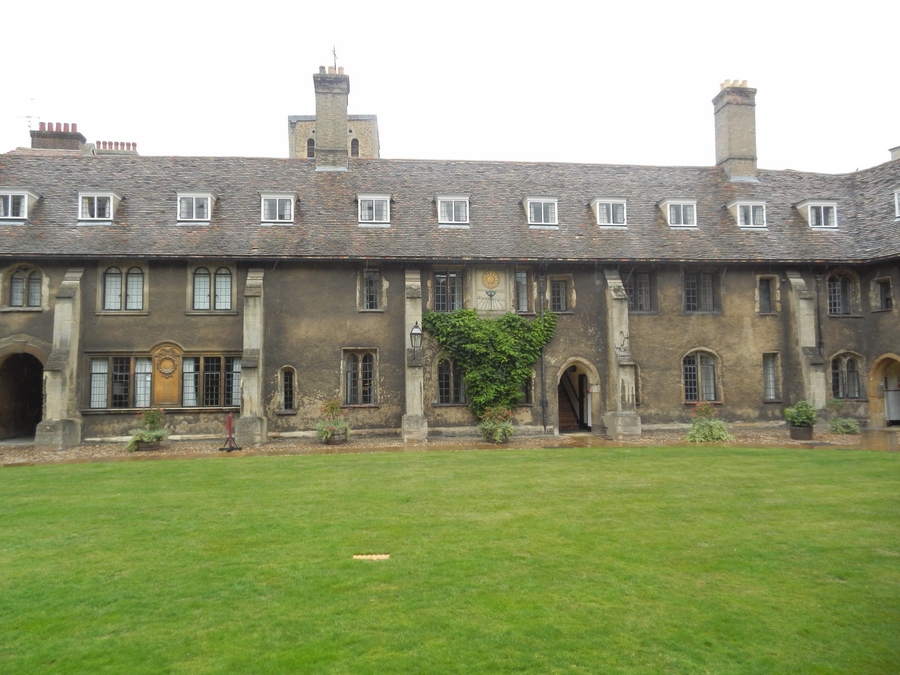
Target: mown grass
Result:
[644, 560]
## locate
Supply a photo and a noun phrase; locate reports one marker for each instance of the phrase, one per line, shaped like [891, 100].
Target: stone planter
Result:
[801, 433]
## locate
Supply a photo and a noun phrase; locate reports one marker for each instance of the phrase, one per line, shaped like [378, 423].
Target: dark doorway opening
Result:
[21, 395]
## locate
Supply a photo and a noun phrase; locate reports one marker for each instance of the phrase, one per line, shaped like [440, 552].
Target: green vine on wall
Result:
[495, 355]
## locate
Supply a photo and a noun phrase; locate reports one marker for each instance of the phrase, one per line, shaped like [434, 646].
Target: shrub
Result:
[495, 424]
[706, 428]
[844, 425]
[332, 420]
[151, 430]
[801, 414]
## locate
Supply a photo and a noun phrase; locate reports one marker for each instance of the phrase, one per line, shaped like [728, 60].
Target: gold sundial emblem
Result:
[490, 279]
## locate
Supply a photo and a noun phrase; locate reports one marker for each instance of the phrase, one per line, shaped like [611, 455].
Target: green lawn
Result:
[632, 560]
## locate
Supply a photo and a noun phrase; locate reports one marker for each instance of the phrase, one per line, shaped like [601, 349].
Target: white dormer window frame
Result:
[680, 213]
[96, 205]
[897, 202]
[453, 210]
[195, 207]
[820, 214]
[374, 210]
[16, 202]
[277, 208]
[543, 212]
[749, 213]
[610, 212]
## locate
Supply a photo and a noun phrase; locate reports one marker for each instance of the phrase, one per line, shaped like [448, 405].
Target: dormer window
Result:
[750, 213]
[97, 205]
[277, 207]
[453, 209]
[14, 203]
[196, 206]
[819, 214]
[541, 211]
[375, 210]
[680, 212]
[609, 212]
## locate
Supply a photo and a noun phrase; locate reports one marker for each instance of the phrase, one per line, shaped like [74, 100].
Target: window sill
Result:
[286, 413]
[90, 223]
[190, 223]
[450, 405]
[702, 312]
[371, 311]
[12, 221]
[643, 312]
[375, 225]
[612, 227]
[694, 404]
[453, 226]
[768, 313]
[771, 400]
[211, 312]
[273, 223]
[22, 309]
[882, 310]
[360, 405]
[845, 316]
[562, 312]
[122, 312]
[173, 411]
[543, 227]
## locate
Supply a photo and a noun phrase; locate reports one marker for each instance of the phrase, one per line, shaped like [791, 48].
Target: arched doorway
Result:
[578, 393]
[883, 389]
[21, 395]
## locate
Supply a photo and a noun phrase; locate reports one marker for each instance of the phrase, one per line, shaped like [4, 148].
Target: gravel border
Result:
[19, 455]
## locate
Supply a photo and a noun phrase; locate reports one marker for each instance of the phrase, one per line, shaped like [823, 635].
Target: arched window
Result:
[311, 148]
[288, 383]
[112, 289]
[223, 288]
[25, 288]
[354, 147]
[212, 292]
[201, 288]
[134, 289]
[700, 377]
[845, 376]
[451, 388]
[359, 382]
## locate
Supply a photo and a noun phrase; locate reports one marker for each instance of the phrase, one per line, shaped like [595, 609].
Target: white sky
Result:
[624, 82]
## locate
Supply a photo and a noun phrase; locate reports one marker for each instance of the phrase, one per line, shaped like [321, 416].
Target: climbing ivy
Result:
[495, 355]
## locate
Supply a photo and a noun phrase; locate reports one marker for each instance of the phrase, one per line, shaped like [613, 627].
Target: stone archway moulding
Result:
[26, 344]
[874, 392]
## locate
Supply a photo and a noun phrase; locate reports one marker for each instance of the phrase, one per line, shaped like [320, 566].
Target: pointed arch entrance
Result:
[578, 397]
[883, 389]
[21, 394]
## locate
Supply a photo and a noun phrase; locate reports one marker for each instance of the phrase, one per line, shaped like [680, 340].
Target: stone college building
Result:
[265, 287]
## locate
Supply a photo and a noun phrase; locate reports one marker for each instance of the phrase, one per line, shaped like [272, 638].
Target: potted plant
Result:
[151, 432]
[801, 416]
[332, 426]
[495, 424]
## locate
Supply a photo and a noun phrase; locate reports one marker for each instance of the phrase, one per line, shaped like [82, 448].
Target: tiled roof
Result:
[326, 226]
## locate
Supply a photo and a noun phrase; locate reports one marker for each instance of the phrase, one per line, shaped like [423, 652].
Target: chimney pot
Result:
[340, 70]
[331, 70]
[58, 126]
[321, 70]
[74, 128]
[43, 126]
[66, 127]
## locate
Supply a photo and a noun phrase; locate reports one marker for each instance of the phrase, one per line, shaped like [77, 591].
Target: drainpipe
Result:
[541, 283]
[820, 342]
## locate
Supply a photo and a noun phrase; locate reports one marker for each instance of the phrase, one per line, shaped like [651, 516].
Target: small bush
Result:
[801, 414]
[706, 428]
[844, 425]
[495, 424]
[151, 432]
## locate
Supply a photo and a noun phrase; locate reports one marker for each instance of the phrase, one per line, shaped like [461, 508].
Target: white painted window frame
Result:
[385, 222]
[291, 197]
[552, 224]
[610, 202]
[194, 196]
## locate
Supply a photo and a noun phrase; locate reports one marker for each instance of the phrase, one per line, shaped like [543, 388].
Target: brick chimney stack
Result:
[59, 138]
[735, 115]
[332, 91]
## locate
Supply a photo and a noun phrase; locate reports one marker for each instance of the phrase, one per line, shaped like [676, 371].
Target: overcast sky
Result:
[617, 82]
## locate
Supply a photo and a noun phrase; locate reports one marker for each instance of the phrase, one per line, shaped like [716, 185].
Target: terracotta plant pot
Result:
[147, 445]
[802, 433]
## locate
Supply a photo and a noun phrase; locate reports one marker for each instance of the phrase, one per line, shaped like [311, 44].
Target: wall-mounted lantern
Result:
[415, 340]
